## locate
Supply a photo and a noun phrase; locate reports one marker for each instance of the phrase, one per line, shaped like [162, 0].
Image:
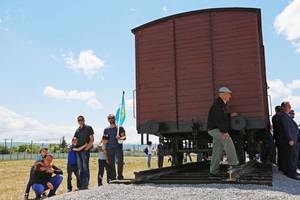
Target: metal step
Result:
[198, 173]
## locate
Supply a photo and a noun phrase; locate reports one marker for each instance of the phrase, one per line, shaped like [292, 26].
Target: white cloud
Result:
[277, 89]
[94, 103]
[129, 103]
[87, 62]
[22, 128]
[287, 23]
[89, 97]
[53, 57]
[132, 137]
[2, 25]
[295, 84]
[165, 10]
[281, 91]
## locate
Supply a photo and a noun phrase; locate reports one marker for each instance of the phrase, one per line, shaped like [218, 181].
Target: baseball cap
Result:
[224, 90]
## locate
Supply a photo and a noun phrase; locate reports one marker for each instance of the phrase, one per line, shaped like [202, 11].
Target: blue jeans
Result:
[160, 161]
[101, 166]
[40, 188]
[83, 168]
[149, 160]
[113, 155]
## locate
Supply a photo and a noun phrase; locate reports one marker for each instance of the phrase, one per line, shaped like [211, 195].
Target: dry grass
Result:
[14, 175]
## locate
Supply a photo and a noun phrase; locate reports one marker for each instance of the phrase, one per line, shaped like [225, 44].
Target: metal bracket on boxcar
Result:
[238, 123]
[150, 127]
[196, 127]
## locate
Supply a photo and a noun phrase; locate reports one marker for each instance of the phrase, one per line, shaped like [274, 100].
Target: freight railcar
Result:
[181, 61]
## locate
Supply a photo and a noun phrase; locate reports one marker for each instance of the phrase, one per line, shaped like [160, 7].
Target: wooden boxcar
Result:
[181, 61]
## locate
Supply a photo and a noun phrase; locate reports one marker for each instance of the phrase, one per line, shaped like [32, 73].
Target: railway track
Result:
[198, 173]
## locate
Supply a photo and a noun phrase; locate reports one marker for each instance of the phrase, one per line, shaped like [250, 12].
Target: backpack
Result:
[146, 150]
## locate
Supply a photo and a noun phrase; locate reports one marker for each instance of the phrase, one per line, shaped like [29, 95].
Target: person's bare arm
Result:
[39, 166]
[234, 114]
[122, 136]
[90, 144]
[80, 148]
[99, 145]
[50, 186]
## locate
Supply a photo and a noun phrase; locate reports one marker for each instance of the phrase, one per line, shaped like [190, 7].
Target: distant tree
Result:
[3, 150]
[54, 148]
[23, 148]
[63, 145]
[28, 148]
[13, 149]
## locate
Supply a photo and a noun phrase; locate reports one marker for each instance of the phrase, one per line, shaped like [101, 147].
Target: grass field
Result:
[14, 175]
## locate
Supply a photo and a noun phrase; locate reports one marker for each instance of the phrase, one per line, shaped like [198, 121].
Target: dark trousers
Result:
[102, 164]
[83, 168]
[160, 161]
[30, 180]
[281, 157]
[291, 160]
[113, 154]
[40, 188]
[269, 150]
[298, 155]
[73, 169]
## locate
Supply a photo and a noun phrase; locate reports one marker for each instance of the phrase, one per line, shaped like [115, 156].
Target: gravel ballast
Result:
[283, 188]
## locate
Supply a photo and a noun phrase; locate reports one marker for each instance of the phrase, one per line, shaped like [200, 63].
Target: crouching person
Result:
[43, 178]
[39, 158]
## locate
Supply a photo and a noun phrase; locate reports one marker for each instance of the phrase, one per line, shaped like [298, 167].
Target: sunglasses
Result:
[110, 118]
[80, 120]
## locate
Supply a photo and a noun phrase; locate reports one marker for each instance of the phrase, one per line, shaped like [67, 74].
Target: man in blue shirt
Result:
[288, 141]
[115, 147]
[85, 136]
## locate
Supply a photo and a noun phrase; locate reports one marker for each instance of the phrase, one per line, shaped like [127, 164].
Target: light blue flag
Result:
[121, 114]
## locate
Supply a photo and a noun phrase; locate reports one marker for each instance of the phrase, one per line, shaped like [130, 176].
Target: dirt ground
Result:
[14, 175]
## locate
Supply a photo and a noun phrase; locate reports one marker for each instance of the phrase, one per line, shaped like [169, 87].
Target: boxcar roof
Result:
[192, 13]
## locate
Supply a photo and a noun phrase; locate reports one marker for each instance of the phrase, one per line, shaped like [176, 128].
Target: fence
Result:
[32, 156]
[28, 156]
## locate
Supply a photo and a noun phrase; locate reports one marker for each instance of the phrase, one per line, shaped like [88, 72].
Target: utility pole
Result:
[11, 140]
[5, 146]
[31, 149]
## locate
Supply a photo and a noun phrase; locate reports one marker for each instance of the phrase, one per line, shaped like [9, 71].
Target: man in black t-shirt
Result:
[114, 147]
[85, 136]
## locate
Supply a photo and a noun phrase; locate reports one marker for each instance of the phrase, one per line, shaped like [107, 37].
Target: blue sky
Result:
[59, 59]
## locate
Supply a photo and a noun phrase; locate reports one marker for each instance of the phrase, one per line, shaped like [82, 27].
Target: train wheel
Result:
[239, 144]
[251, 145]
[177, 159]
[240, 151]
